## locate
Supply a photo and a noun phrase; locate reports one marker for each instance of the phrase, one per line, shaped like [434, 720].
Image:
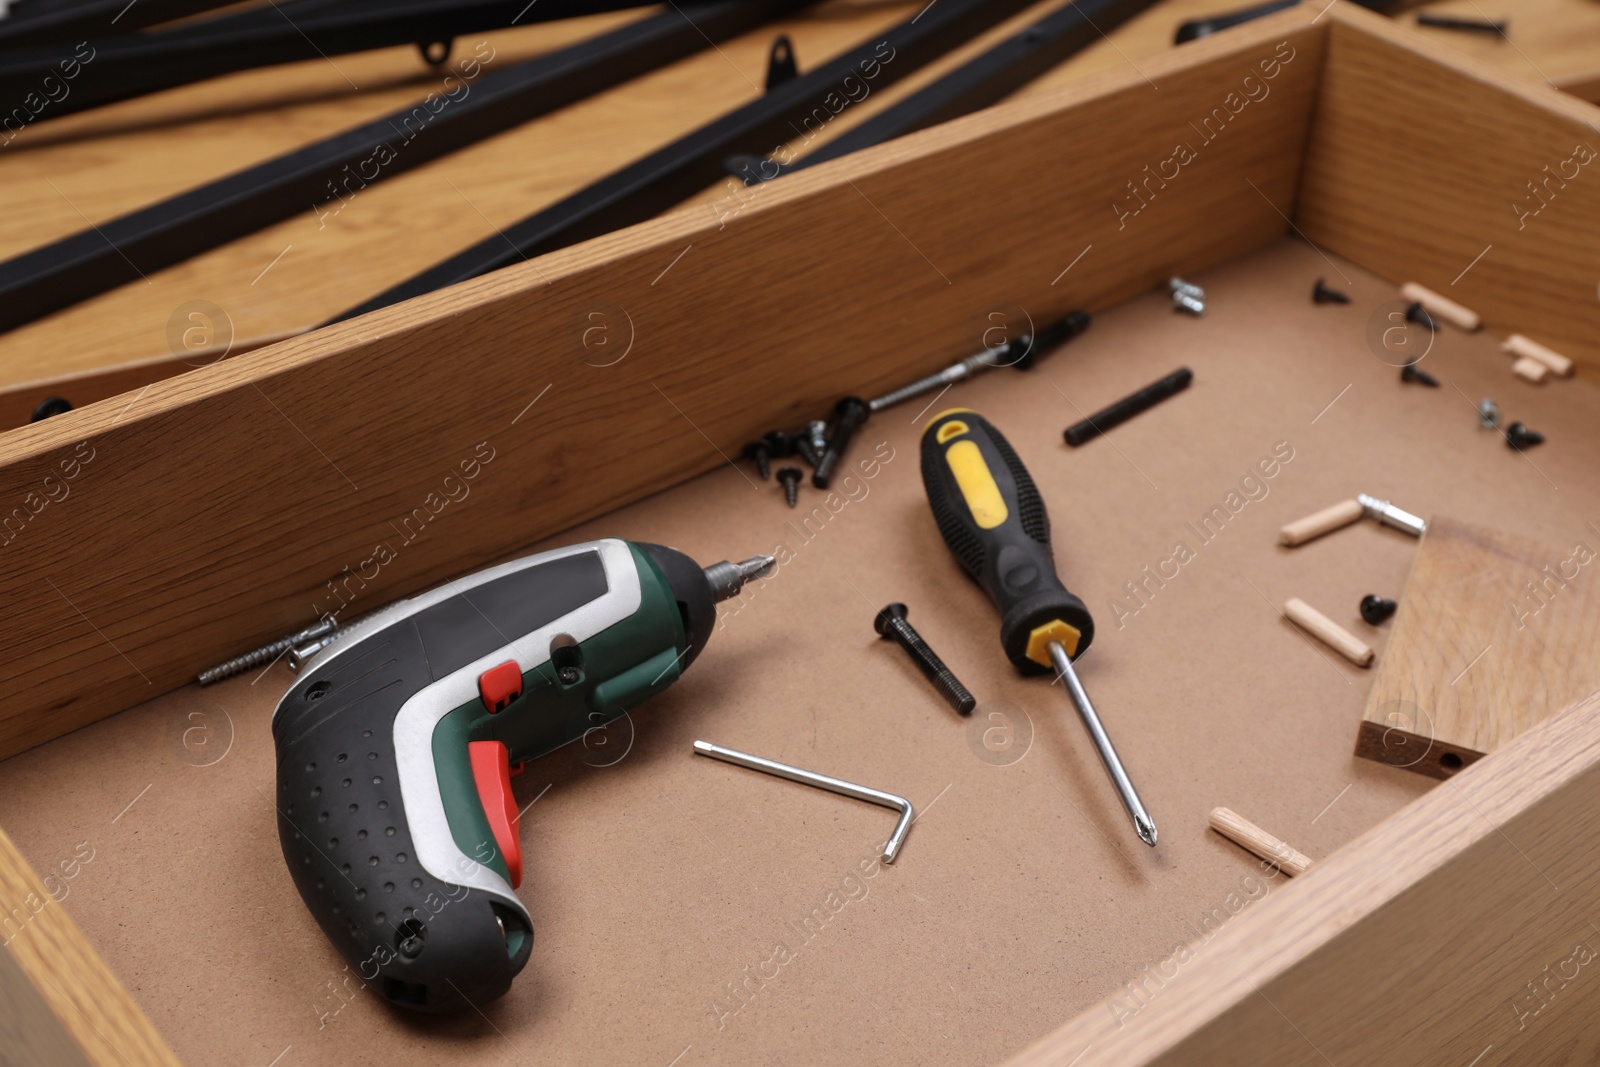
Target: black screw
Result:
[1376, 609]
[1321, 294]
[780, 445]
[1410, 373]
[1418, 314]
[790, 477]
[1520, 437]
[848, 414]
[891, 624]
[757, 450]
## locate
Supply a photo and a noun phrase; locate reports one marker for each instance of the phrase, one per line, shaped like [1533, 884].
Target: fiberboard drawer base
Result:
[1021, 899]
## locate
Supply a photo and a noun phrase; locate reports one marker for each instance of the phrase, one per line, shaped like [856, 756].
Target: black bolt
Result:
[1410, 373]
[848, 415]
[758, 451]
[1519, 437]
[790, 477]
[1321, 294]
[1418, 314]
[891, 624]
[51, 405]
[1376, 609]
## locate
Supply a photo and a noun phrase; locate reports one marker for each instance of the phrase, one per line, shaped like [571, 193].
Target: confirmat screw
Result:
[848, 416]
[1410, 373]
[1520, 437]
[790, 477]
[1321, 294]
[1488, 414]
[891, 624]
[1375, 609]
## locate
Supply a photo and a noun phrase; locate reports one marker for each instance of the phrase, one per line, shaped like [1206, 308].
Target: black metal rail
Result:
[985, 80]
[95, 18]
[136, 64]
[670, 175]
[123, 249]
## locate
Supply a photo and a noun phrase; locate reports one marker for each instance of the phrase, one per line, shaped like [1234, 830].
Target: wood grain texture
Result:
[1465, 909]
[61, 1004]
[1254, 839]
[1494, 635]
[234, 503]
[1423, 166]
[116, 158]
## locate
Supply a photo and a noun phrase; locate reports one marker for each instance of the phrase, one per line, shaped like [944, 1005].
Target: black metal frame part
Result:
[95, 18]
[985, 80]
[119, 68]
[123, 249]
[672, 174]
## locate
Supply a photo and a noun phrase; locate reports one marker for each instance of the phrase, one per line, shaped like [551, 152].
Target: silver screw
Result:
[1182, 301]
[1488, 414]
[266, 653]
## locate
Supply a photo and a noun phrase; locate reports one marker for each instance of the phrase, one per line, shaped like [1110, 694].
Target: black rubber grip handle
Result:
[991, 515]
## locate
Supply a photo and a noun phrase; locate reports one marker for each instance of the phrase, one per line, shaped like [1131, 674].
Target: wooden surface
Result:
[224, 507]
[59, 1002]
[299, 272]
[1496, 633]
[1254, 839]
[1022, 898]
[1417, 163]
[1460, 910]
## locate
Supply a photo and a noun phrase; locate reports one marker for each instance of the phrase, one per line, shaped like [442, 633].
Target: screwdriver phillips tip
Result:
[1146, 830]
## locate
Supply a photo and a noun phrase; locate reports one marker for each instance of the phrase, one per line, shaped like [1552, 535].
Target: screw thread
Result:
[941, 676]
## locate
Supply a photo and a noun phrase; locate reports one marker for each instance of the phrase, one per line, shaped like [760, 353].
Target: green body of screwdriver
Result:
[992, 517]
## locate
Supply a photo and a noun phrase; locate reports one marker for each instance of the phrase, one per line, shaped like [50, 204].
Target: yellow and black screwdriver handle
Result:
[990, 514]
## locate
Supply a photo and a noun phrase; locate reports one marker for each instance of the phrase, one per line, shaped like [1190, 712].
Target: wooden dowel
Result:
[1530, 369]
[1252, 838]
[1442, 307]
[1328, 632]
[1302, 530]
[1519, 345]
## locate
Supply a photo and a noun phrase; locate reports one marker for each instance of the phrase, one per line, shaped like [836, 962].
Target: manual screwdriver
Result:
[991, 515]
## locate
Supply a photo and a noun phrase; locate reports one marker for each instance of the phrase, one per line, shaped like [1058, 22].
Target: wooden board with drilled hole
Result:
[1496, 634]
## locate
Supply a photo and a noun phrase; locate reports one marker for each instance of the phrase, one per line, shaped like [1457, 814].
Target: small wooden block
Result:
[1519, 345]
[1315, 525]
[1494, 635]
[1441, 307]
[1254, 839]
[1328, 632]
[1530, 369]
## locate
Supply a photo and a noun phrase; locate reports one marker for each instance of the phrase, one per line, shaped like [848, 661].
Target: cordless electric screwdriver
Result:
[991, 516]
[395, 746]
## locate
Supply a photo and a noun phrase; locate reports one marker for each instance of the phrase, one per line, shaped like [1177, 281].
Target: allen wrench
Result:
[891, 848]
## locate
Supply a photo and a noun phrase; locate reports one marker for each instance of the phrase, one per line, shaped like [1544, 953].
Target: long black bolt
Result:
[848, 415]
[1321, 294]
[891, 624]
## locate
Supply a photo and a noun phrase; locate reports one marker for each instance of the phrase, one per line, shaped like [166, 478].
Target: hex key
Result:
[834, 785]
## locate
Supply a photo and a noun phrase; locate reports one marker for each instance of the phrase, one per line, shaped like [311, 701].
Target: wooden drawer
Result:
[224, 506]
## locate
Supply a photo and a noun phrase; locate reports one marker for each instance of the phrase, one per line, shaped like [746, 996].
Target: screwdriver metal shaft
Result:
[1143, 825]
